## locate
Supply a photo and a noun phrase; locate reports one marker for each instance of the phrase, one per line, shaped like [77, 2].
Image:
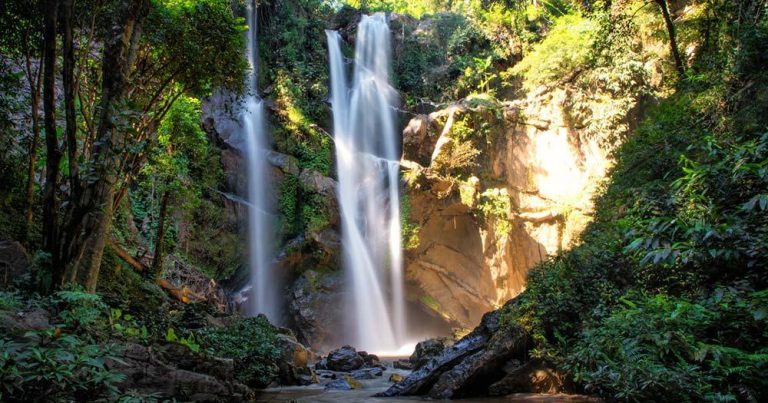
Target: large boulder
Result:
[316, 301]
[173, 371]
[490, 359]
[344, 359]
[293, 362]
[14, 263]
[426, 350]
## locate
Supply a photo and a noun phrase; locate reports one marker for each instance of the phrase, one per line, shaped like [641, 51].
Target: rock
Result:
[468, 263]
[367, 373]
[470, 366]
[534, 376]
[315, 301]
[14, 263]
[403, 364]
[338, 384]
[395, 377]
[293, 362]
[20, 322]
[353, 383]
[426, 350]
[286, 163]
[314, 181]
[174, 372]
[371, 360]
[344, 359]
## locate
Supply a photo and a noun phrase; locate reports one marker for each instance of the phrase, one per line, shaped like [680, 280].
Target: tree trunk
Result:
[68, 78]
[157, 261]
[679, 65]
[34, 80]
[53, 157]
[90, 215]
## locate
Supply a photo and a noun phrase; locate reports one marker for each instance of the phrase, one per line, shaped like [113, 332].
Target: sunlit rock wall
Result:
[466, 262]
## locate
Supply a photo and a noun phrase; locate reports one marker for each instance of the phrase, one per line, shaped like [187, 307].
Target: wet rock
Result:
[315, 299]
[371, 360]
[367, 373]
[286, 163]
[314, 181]
[293, 362]
[470, 366]
[338, 384]
[344, 359]
[395, 378]
[403, 364]
[14, 263]
[426, 350]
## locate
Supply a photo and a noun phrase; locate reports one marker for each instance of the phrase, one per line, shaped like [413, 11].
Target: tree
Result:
[679, 64]
[21, 28]
[154, 54]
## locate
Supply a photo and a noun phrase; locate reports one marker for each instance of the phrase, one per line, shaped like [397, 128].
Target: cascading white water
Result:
[265, 284]
[367, 152]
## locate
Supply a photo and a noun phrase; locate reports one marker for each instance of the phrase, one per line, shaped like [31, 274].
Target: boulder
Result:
[395, 378]
[344, 359]
[338, 384]
[470, 366]
[14, 263]
[19, 322]
[367, 373]
[173, 371]
[403, 364]
[426, 350]
[314, 307]
[293, 362]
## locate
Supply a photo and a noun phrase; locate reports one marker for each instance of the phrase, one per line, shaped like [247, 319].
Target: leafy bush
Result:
[56, 367]
[713, 350]
[566, 47]
[251, 343]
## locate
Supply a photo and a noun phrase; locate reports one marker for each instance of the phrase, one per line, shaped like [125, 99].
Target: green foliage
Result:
[288, 205]
[10, 300]
[565, 48]
[184, 34]
[409, 231]
[665, 296]
[60, 367]
[79, 310]
[186, 341]
[685, 351]
[494, 204]
[251, 343]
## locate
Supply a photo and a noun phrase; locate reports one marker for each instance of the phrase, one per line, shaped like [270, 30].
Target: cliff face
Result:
[528, 195]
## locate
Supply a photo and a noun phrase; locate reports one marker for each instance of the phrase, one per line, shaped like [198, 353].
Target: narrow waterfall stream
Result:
[367, 152]
[265, 284]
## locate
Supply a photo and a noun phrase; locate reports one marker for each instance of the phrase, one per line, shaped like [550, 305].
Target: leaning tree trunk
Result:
[90, 215]
[53, 157]
[679, 65]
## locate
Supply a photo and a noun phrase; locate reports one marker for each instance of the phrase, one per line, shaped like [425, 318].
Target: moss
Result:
[287, 205]
[494, 205]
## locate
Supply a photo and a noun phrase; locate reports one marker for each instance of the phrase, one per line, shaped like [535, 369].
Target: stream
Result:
[317, 393]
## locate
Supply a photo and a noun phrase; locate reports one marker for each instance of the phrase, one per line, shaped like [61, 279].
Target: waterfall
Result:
[265, 284]
[367, 152]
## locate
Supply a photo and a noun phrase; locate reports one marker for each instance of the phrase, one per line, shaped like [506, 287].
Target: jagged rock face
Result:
[468, 263]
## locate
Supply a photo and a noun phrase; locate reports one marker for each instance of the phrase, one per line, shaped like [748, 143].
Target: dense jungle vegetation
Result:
[117, 191]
